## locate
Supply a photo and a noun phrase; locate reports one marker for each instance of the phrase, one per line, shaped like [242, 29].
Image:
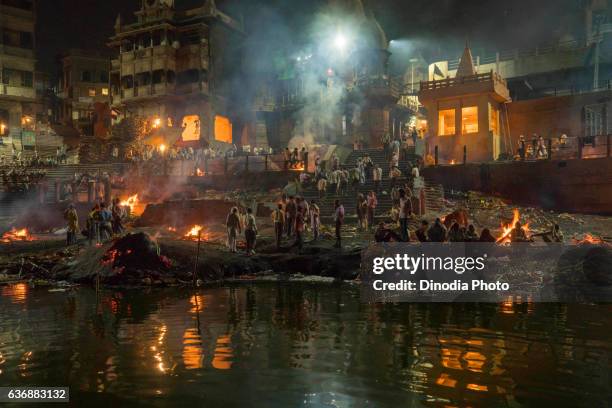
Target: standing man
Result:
[233, 229]
[372, 203]
[338, 220]
[290, 214]
[404, 214]
[250, 232]
[278, 217]
[377, 177]
[315, 219]
[72, 219]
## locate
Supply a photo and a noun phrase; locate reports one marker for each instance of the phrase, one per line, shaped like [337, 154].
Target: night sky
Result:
[439, 27]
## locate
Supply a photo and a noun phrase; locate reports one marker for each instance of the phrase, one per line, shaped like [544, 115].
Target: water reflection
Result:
[303, 345]
[17, 293]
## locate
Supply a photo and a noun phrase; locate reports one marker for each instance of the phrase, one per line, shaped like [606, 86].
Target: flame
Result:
[17, 235]
[199, 173]
[171, 229]
[196, 230]
[589, 239]
[507, 228]
[299, 167]
[162, 148]
[130, 202]
[452, 161]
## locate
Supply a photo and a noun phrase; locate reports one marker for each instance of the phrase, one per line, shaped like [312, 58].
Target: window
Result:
[91, 92]
[191, 128]
[446, 122]
[469, 119]
[493, 119]
[103, 77]
[188, 77]
[105, 91]
[127, 82]
[86, 76]
[223, 129]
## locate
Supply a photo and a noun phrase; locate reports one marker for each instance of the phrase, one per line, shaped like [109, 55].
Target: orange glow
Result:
[199, 173]
[130, 202]
[222, 360]
[16, 235]
[452, 161]
[195, 231]
[193, 355]
[162, 148]
[446, 381]
[507, 228]
[223, 129]
[17, 293]
[477, 387]
[171, 229]
[156, 123]
[589, 239]
[191, 128]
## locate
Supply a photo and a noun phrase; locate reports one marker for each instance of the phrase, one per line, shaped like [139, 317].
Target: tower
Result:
[466, 112]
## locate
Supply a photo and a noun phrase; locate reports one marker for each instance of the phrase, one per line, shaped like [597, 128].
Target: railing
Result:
[450, 82]
[506, 55]
[221, 165]
[577, 147]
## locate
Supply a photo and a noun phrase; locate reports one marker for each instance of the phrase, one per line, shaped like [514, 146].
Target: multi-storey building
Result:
[84, 82]
[174, 68]
[17, 67]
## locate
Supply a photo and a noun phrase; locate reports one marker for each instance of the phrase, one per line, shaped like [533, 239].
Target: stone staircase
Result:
[13, 204]
[434, 194]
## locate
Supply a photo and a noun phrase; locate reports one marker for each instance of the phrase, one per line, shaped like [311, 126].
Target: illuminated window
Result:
[105, 91]
[446, 122]
[469, 119]
[191, 128]
[223, 129]
[92, 91]
[493, 119]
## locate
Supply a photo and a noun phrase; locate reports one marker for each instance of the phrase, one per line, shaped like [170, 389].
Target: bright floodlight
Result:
[340, 42]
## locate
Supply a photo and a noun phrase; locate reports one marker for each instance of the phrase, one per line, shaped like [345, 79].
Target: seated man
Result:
[384, 234]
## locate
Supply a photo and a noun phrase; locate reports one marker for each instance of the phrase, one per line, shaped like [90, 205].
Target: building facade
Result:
[466, 113]
[175, 69]
[84, 82]
[17, 69]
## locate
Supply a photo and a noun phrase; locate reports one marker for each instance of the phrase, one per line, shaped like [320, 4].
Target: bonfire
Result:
[195, 232]
[130, 202]
[507, 228]
[16, 235]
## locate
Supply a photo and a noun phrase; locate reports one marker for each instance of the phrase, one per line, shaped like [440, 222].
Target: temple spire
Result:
[466, 65]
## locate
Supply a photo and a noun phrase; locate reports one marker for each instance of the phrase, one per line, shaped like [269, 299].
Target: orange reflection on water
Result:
[193, 354]
[475, 360]
[198, 302]
[477, 387]
[222, 360]
[158, 349]
[446, 381]
[17, 292]
[450, 358]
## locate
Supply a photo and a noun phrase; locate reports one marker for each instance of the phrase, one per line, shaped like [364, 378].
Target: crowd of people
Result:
[20, 179]
[103, 222]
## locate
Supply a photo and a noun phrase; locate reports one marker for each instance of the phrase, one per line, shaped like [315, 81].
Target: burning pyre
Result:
[16, 235]
[130, 202]
[506, 229]
[196, 232]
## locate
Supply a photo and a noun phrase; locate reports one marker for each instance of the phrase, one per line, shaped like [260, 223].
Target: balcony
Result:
[490, 82]
[17, 92]
[17, 52]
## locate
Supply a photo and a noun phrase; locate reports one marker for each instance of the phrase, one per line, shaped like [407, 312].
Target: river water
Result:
[301, 345]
